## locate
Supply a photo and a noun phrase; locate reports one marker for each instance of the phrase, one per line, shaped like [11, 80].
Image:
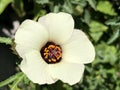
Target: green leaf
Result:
[96, 36]
[11, 79]
[92, 3]
[5, 40]
[18, 6]
[105, 7]
[17, 80]
[39, 14]
[56, 8]
[114, 21]
[42, 1]
[4, 4]
[106, 53]
[67, 7]
[87, 17]
[114, 36]
[97, 29]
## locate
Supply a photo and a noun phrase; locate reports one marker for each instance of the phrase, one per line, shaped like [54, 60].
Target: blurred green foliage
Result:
[4, 4]
[99, 19]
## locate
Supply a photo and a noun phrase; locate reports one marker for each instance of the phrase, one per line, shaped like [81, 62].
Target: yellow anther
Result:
[46, 50]
[46, 54]
[49, 60]
[54, 60]
[59, 49]
[51, 53]
[51, 46]
[59, 56]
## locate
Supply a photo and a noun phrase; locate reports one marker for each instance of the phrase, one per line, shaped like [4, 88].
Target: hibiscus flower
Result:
[52, 49]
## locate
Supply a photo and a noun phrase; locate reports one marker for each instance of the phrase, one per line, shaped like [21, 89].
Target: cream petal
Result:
[78, 49]
[70, 73]
[59, 25]
[36, 69]
[30, 35]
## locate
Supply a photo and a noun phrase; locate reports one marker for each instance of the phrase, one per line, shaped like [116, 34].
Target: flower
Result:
[52, 49]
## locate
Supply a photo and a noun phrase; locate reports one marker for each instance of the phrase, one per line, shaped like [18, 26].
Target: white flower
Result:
[52, 49]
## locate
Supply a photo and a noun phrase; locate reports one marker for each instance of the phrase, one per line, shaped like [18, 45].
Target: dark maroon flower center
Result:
[51, 53]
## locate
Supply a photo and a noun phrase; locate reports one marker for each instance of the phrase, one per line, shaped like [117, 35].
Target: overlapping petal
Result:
[78, 49]
[36, 69]
[60, 26]
[70, 73]
[30, 36]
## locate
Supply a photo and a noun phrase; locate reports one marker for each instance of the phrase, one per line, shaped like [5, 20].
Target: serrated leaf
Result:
[96, 36]
[4, 4]
[97, 27]
[105, 7]
[5, 40]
